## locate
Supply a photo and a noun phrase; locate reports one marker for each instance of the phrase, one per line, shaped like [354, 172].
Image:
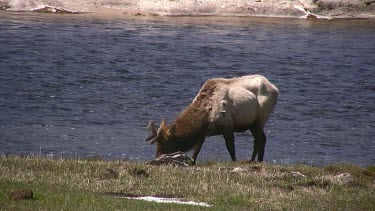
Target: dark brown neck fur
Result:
[192, 123]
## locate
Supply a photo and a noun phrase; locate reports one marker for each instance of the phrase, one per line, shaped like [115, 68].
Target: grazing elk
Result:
[222, 107]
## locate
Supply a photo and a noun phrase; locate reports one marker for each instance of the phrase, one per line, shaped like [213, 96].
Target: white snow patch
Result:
[168, 200]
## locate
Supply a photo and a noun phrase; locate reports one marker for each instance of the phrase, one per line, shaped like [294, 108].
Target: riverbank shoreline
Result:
[74, 183]
[304, 9]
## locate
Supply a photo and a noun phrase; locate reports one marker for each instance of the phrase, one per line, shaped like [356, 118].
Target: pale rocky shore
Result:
[321, 9]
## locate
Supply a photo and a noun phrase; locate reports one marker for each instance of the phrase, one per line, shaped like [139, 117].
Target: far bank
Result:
[322, 9]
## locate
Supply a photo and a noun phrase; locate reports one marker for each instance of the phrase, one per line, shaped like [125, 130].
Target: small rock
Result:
[21, 194]
[311, 183]
[309, 5]
[139, 14]
[109, 174]
[51, 9]
[45, 9]
[239, 170]
[256, 168]
[344, 178]
[290, 188]
[297, 174]
[311, 16]
[4, 6]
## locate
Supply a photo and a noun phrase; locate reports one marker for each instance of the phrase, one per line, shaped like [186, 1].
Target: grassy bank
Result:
[75, 184]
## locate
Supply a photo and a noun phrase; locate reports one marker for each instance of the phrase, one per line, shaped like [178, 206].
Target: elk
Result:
[222, 107]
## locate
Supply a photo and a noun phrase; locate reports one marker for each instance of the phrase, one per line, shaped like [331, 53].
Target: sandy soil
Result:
[323, 9]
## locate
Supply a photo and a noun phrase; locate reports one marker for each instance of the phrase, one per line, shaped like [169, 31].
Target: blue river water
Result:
[76, 86]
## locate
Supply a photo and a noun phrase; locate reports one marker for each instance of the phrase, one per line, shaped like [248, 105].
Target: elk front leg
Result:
[229, 142]
[197, 149]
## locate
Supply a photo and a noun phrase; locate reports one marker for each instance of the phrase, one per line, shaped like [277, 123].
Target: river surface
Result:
[76, 87]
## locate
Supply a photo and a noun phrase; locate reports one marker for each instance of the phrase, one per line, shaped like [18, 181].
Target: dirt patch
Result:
[21, 194]
[109, 174]
[137, 172]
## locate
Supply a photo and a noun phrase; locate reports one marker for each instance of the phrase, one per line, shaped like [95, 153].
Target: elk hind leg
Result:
[256, 131]
[262, 146]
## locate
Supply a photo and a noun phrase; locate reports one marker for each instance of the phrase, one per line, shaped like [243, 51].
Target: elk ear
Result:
[151, 128]
[172, 129]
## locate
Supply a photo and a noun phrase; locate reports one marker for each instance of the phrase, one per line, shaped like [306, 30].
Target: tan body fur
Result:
[222, 106]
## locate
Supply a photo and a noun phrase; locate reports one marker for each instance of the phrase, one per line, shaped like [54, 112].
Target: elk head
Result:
[163, 137]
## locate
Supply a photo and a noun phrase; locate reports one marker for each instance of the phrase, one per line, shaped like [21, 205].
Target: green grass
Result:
[78, 184]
